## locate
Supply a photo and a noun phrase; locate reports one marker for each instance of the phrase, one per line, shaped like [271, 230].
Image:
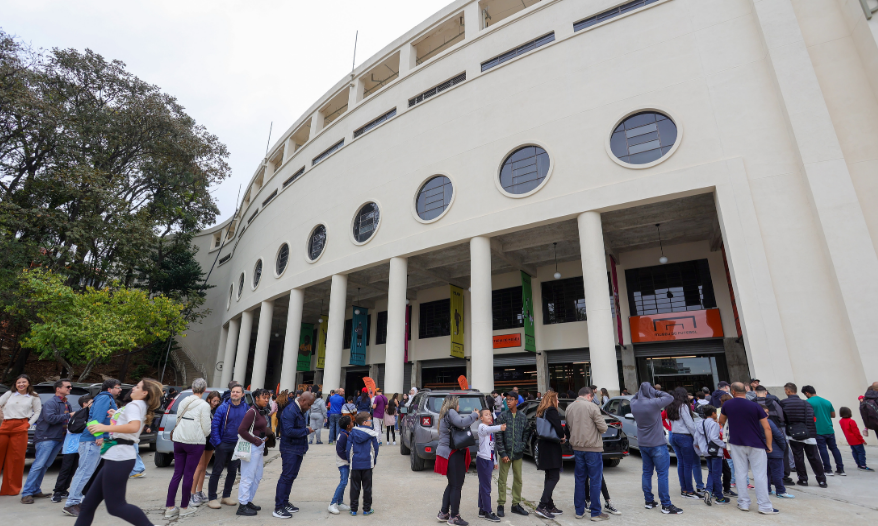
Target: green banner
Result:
[322, 332]
[456, 321]
[527, 302]
[305, 345]
[359, 336]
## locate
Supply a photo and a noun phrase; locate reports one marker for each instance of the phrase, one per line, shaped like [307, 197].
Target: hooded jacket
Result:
[362, 448]
[318, 410]
[223, 430]
[869, 410]
[103, 402]
[646, 406]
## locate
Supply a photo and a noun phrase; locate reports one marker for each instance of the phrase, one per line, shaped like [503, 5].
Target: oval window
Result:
[643, 137]
[366, 222]
[316, 242]
[283, 255]
[524, 170]
[240, 285]
[434, 197]
[257, 273]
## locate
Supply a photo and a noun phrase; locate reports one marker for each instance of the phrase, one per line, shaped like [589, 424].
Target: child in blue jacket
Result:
[362, 453]
[345, 424]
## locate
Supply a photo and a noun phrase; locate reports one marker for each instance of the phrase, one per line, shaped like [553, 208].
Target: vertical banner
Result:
[616, 305]
[359, 336]
[456, 321]
[305, 345]
[527, 313]
[408, 322]
[322, 332]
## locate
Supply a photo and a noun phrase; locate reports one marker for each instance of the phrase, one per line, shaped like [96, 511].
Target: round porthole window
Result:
[366, 222]
[283, 256]
[240, 285]
[317, 242]
[434, 197]
[524, 170]
[643, 138]
[257, 273]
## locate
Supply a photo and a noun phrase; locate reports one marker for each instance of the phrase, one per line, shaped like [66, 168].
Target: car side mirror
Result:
[629, 416]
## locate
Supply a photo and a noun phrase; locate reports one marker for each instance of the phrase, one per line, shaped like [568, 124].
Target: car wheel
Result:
[418, 464]
[403, 449]
[163, 460]
[611, 463]
[152, 446]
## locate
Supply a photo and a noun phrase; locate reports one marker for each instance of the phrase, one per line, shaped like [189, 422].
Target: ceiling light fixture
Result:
[662, 259]
[557, 274]
[320, 319]
[357, 311]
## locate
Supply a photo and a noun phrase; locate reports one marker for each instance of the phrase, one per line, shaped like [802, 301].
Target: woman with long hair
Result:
[682, 440]
[390, 417]
[118, 454]
[254, 429]
[550, 460]
[452, 463]
[605, 396]
[190, 431]
[21, 408]
[214, 399]
[283, 398]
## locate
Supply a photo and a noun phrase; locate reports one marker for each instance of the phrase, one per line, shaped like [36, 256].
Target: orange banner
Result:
[676, 326]
[369, 383]
[461, 381]
[507, 340]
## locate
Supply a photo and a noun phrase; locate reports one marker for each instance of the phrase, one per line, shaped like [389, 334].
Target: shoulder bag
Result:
[713, 450]
[798, 431]
[181, 418]
[546, 431]
[243, 447]
[459, 437]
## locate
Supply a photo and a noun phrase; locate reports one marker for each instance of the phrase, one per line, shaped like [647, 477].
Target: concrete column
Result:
[407, 59]
[229, 358]
[318, 378]
[355, 95]
[472, 20]
[417, 376]
[316, 124]
[482, 351]
[629, 368]
[373, 374]
[291, 340]
[220, 352]
[263, 335]
[601, 341]
[243, 348]
[542, 371]
[338, 299]
[394, 360]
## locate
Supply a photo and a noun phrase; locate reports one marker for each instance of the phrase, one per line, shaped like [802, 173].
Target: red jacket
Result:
[851, 432]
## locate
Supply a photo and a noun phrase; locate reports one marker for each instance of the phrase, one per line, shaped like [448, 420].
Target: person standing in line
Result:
[683, 442]
[390, 418]
[605, 396]
[20, 408]
[336, 402]
[254, 429]
[70, 453]
[751, 393]
[646, 406]
[776, 460]
[824, 413]
[728, 465]
[349, 409]
[379, 404]
[550, 460]
[802, 435]
[748, 446]
[198, 497]
[224, 437]
[486, 463]
[510, 448]
[90, 445]
[775, 414]
[869, 409]
[403, 409]
[317, 418]
[854, 438]
[345, 425]
[110, 482]
[362, 452]
[715, 397]
[710, 446]
[49, 435]
[192, 426]
[293, 446]
[452, 463]
[586, 425]
[364, 402]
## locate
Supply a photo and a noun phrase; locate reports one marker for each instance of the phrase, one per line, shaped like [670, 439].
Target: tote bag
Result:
[546, 431]
[459, 438]
[242, 448]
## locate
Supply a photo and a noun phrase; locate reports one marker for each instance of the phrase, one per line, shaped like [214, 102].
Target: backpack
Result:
[78, 420]
[870, 415]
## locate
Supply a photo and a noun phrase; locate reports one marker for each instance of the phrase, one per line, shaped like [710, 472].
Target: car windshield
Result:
[185, 394]
[467, 403]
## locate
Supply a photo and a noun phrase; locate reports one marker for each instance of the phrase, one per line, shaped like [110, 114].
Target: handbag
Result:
[459, 438]
[181, 418]
[546, 431]
[712, 448]
[798, 431]
[243, 447]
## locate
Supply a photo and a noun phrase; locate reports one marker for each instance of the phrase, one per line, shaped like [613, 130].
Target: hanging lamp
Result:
[663, 259]
[320, 319]
[357, 311]
[557, 274]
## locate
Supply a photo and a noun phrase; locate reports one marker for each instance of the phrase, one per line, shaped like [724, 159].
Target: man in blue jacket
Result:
[293, 446]
[90, 445]
[224, 437]
[335, 403]
[49, 435]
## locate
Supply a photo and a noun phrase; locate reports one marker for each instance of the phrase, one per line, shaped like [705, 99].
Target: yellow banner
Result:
[456, 321]
[321, 343]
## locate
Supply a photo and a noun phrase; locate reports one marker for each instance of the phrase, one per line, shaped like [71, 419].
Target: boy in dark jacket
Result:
[344, 425]
[776, 459]
[362, 452]
[510, 450]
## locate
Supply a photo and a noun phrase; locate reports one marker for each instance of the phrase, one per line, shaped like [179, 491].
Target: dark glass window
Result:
[435, 319]
[380, 120]
[316, 242]
[257, 273]
[563, 301]
[283, 255]
[524, 170]
[332, 149]
[366, 222]
[241, 284]
[675, 287]
[294, 177]
[434, 197]
[521, 50]
[438, 89]
[611, 13]
[507, 308]
[643, 138]
[381, 329]
[349, 331]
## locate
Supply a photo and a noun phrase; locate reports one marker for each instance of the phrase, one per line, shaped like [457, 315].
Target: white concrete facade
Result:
[776, 103]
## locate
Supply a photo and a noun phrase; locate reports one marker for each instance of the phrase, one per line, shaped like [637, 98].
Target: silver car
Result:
[620, 407]
[164, 447]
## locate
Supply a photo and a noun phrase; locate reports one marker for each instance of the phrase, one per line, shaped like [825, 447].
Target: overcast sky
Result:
[235, 66]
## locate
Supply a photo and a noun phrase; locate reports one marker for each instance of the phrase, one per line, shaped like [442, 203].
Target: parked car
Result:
[614, 438]
[620, 407]
[46, 391]
[419, 428]
[164, 447]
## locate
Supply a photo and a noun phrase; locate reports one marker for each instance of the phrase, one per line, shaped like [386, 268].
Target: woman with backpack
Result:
[550, 453]
[450, 462]
[390, 417]
[189, 434]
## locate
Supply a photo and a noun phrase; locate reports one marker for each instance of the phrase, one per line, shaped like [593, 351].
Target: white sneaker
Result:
[344, 507]
[171, 513]
[394, 443]
[333, 509]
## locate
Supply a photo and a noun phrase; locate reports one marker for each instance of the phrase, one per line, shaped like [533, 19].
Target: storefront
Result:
[516, 370]
[689, 364]
[570, 369]
[442, 374]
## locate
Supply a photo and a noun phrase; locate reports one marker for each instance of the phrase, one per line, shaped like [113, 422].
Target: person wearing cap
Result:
[716, 396]
[751, 394]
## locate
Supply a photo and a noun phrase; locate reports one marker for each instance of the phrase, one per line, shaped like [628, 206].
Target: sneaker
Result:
[651, 505]
[823, 485]
[516, 508]
[708, 498]
[214, 504]
[601, 517]
[290, 508]
[609, 508]
[555, 511]
[394, 443]
[751, 486]
[733, 485]
[368, 512]
[730, 493]
[491, 517]
[722, 501]
[343, 507]
[443, 517]
[828, 473]
[500, 512]
[172, 512]
[72, 511]
[700, 493]
[254, 506]
[195, 499]
[56, 498]
[333, 509]
[686, 495]
[802, 483]
[841, 473]
[188, 511]
[229, 501]
[861, 468]
[282, 513]
[482, 513]
[543, 512]
[774, 511]
[457, 521]
[671, 510]
[743, 509]
[581, 516]
[354, 513]
[245, 511]
[137, 475]
[786, 495]
[789, 480]
[27, 499]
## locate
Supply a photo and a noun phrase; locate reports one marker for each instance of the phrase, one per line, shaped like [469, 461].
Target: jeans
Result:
[688, 459]
[858, 451]
[89, 456]
[186, 459]
[746, 457]
[656, 457]
[344, 472]
[138, 462]
[589, 470]
[291, 463]
[714, 476]
[775, 475]
[800, 450]
[825, 444]
[251, 475]
[109, 487]
[223, 460]
[46, 451]
[333, 427]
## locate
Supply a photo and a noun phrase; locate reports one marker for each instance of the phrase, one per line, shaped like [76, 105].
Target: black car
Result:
[615, 440]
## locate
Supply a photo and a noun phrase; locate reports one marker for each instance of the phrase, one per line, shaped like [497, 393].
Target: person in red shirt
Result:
[854, 437]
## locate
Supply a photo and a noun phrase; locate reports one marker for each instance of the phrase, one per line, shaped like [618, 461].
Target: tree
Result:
[84, 327]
